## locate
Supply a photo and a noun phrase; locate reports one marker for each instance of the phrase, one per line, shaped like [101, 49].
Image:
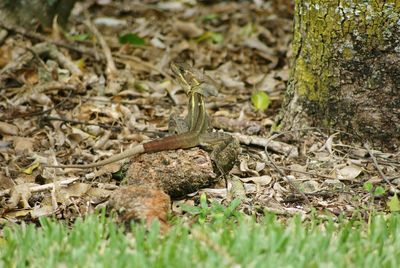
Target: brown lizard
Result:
[197, 86]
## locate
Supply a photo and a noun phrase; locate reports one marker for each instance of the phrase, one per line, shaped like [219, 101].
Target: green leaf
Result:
[368, 186]
[260, 100]
[203, 201]
[247, 30]
[394, 203]
[119, 175]
[209, 17]
[142, 87]
[212, 36]
[217, 38]
[193, 210]
[131, 38]
[276, 127]
[78, 37]
[379, 191]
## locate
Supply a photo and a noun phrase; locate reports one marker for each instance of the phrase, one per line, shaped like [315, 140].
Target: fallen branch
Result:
[111, 70]
[371, 154]
[276, 146]
[41, 188]
[281, 173]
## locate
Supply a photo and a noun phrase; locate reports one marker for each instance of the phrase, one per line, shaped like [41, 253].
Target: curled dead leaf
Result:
[19, 193]
[8, 129]
[42, 211]
[255, 43]
[333, 184]
[40, 98]
[348, 172]
[100, 143]
[230, 82]
[188, 29]
[260, 166]
[262, 180]
[245, 168]
[328, 143]
[6, 182]
[309, 187]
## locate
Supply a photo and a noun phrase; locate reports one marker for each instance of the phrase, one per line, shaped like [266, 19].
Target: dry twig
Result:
[111, 70]
[366, 146]
[280, 172]
[276, 146]
[44, 187]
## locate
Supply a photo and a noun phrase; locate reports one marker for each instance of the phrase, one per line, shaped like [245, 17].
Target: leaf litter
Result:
[91, 95]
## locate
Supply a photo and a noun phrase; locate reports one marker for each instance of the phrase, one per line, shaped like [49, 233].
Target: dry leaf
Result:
[262, 180]
[328, 143]
[40, 98]
[255, 43]
[188, 29]
[6, 182]
[14, 214]
[100, 143]
[8, 129]
[245, 168]
[75, 190]
[98, 193]
[19, 193]
[260, 166]
[333, 184]
[309, 187]
[23, 145]
[41, 211]
[230, 82]
[348, 173]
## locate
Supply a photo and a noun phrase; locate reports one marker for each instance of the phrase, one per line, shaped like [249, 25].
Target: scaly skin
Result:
[197, 119]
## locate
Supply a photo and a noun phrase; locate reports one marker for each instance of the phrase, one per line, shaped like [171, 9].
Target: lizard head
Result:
[192, 80]
[185, 76]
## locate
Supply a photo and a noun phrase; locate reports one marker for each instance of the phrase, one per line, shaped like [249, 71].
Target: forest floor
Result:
[64, 101]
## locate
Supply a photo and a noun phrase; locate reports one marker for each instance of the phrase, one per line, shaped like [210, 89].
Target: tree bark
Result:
[346, 69]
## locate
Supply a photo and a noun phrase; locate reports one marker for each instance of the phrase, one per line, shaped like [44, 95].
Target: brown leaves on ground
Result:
[87, 97]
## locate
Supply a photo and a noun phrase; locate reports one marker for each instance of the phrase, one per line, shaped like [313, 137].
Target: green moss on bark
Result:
[346, 66]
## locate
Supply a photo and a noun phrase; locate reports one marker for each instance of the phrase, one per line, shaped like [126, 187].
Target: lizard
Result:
[196, 86]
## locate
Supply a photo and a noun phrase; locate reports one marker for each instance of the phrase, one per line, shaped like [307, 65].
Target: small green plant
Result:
[77, 37]
[209, 17]
[216, 38]
[375, 192]
[214, 211]
[247, 30]
[394, 203]
[132, 39]
[260, 100]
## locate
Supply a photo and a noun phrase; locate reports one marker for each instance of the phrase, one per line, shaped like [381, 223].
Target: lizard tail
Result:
[128, 153]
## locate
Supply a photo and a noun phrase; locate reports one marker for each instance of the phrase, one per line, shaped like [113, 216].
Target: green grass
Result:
[224, 240]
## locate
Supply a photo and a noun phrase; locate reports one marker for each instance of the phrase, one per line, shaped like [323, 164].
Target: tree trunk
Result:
[346, 69]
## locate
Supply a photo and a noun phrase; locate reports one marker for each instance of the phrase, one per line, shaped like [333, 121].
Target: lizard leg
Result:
[224, 149]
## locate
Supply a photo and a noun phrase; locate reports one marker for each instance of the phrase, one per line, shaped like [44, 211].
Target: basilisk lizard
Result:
[197, 86]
